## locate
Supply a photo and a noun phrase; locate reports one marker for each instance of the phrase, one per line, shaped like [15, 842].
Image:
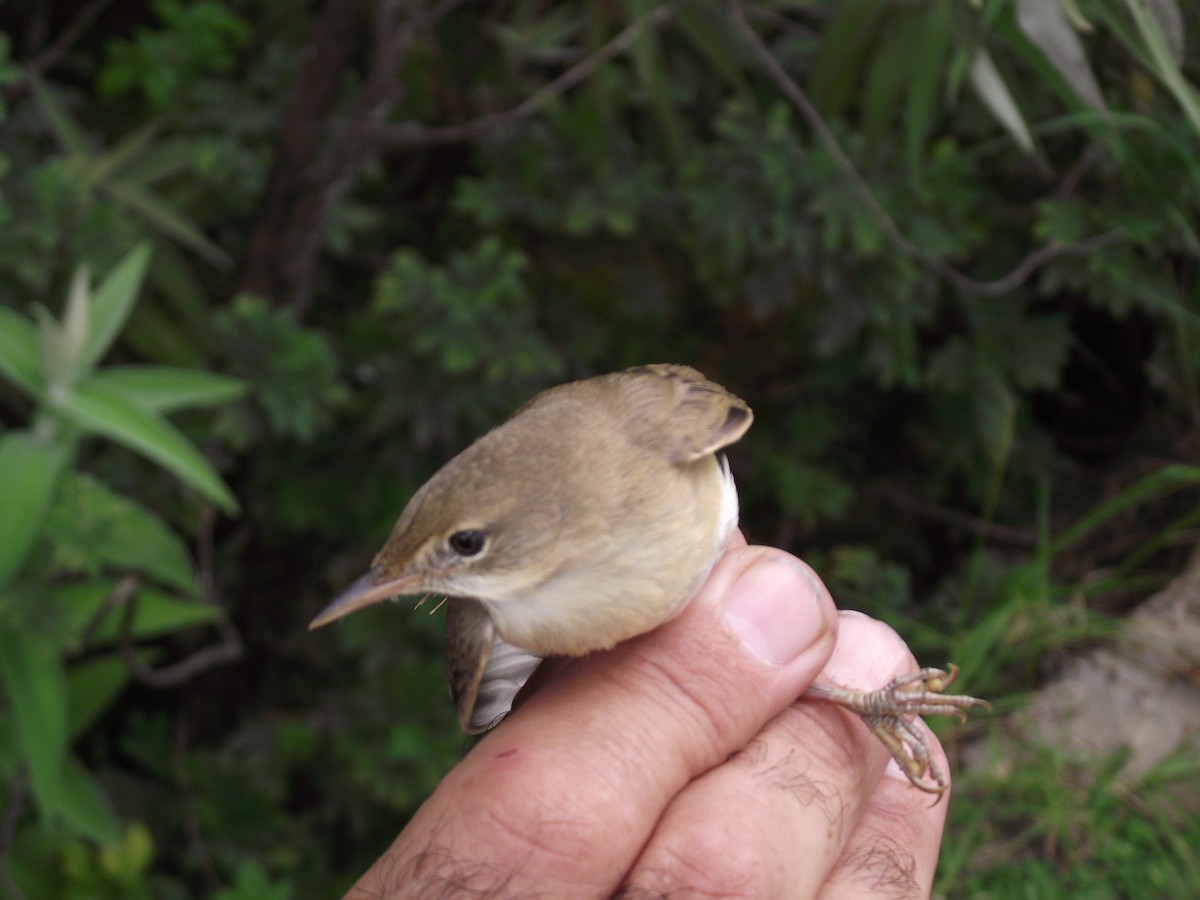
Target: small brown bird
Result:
[590, 517]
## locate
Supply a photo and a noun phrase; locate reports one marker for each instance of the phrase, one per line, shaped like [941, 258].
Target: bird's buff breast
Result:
[619, 592]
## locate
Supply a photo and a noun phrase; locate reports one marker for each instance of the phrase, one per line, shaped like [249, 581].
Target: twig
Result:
[121, 594]
[124, 595]
[1019, 274]
[408, 135]
[228, 650]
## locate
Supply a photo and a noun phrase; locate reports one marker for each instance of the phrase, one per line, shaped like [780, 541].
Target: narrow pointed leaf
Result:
[168, 219]
[163, 389]
[20, 360]
[29, 472]
[85, 805]
[33, 678]
[113, 301]
[990, 86]
[102, 409]
[70, 135]
[1163, 57]
[1047, 26]
[92, 686]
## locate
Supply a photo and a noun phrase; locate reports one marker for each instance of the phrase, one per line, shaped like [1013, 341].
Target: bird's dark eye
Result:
[467, 543]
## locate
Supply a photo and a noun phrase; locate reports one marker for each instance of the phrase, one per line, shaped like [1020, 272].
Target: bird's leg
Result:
[916, 694]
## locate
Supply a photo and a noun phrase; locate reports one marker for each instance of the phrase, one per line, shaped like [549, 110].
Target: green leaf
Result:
[158, 614]
[92, 686]
[168, 219]
[102, 409]
[20, 359]
[29, 472]
[1047, 26]
[98, 530]
[162, 389]
[112, 302]
[70, 135]
[36, 686]
[1164, 62]
[929, 64]
[844, 44]
[989, 84]
[85, 805]
[1164, 481]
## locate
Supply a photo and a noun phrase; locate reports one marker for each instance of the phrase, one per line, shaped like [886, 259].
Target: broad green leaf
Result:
[29, 471]
[162, 389]
[35, 683]
[1046, 25]
[85, 805]
[92, 686]
[20, 360]
[158, 614]
[104, 410]
[112, 302]
[98, 530]
[168, 219]
[990, 86]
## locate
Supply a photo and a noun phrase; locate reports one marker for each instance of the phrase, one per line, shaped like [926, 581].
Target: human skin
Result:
[679, 764]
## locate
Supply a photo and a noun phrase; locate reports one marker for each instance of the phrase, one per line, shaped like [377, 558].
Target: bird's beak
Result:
[370, 588]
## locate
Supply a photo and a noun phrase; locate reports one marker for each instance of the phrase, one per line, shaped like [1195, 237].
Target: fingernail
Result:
[774, 610]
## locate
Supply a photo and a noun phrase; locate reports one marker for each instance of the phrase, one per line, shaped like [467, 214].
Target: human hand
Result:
[679, 763]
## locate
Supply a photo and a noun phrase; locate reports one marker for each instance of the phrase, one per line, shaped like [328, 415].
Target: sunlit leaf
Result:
[163, 389]
[112, 302]
[102, 409]
[1046, 25]
[990, 86]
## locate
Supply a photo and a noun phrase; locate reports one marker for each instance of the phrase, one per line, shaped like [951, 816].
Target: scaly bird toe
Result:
[915, 694]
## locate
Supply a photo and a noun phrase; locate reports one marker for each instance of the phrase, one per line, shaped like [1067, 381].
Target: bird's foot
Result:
[885, 710]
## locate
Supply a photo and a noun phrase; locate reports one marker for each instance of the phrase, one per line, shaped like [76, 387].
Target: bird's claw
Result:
[884, 711]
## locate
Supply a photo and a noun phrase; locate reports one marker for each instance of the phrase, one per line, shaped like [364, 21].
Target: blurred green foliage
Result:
[358, 235]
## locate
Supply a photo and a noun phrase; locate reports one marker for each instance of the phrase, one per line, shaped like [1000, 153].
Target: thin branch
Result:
[409, 135]
[1019, 274]
[228, 650]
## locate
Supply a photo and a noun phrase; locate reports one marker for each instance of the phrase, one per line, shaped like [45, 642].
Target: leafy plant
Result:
[72, 550]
